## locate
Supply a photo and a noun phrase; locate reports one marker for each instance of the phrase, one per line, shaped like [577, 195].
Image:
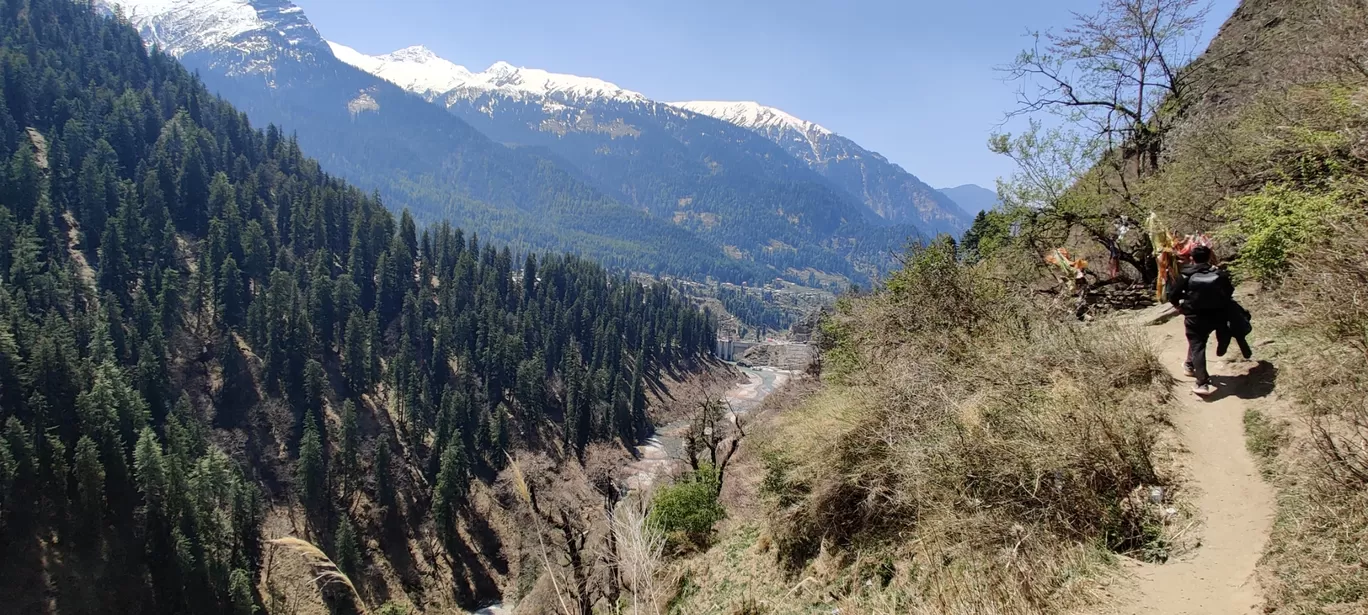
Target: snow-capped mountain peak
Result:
[752, 115]
[416, 69]
[258, 31]
[419, 70]
[415, 53]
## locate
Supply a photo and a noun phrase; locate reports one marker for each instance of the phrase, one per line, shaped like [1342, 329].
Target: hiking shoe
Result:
[1188, 371]
[1204, 390]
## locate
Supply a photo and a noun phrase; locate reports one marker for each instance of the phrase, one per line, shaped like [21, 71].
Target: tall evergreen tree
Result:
[90, 488]
[229, 301]
[347, 548]
[384, 474]
[311, 473]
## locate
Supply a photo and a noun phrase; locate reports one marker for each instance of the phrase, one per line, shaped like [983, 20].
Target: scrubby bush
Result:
[392, 608]
[1321, 535]
[969, 426]
[687, 510]
[1277, 223]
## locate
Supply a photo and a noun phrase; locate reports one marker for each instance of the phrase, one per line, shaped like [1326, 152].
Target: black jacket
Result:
[1177, 294]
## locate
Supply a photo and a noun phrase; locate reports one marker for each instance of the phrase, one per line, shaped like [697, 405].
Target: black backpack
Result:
[1206, 290]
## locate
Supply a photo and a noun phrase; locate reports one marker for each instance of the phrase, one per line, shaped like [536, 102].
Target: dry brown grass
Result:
[640, 558]
[326, 575]
[971, 456]
[1317, 560]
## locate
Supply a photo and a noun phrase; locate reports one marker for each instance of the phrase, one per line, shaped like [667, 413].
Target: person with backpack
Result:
[1238, 327]
[1204, 294]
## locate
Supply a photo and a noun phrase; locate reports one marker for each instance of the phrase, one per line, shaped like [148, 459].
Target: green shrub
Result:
[1272, 226]
[777, 483]
[687, 510]
[391, 608]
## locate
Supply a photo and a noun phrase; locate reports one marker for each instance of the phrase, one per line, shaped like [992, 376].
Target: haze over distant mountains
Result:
[736, 191]
[972, 198]
[887, 189]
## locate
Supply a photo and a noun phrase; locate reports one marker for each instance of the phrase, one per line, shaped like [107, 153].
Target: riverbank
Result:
[660, 457]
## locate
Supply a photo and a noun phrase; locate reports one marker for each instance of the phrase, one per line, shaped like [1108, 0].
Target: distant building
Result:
[729, 349]
[725, 348]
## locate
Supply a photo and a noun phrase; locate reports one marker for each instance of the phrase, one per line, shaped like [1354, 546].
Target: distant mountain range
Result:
[972, 198]
[893, 193]
[735, 191]
[569, 103]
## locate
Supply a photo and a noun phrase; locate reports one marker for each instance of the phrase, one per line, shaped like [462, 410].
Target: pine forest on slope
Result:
[594, 168]
[269, 61]
[198, 326]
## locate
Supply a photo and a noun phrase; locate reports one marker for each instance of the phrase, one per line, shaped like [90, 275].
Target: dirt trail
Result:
[1232, 500]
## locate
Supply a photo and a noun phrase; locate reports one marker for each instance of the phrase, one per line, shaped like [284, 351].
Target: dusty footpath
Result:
[1233, 502]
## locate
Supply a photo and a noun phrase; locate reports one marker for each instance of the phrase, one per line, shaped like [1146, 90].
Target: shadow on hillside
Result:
[1257, 383]
[472, 586]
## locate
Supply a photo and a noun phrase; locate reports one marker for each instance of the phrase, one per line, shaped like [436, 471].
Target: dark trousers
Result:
[1199, 329]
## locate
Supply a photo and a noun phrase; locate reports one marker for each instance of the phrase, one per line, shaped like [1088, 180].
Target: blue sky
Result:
[911, 79]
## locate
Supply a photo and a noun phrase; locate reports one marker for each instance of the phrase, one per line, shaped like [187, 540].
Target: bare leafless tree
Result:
[1112, 71]
[714, 430]
[1113, 80]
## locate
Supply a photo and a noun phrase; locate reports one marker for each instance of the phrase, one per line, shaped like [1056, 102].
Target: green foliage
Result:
[392, 608]
[449, 494]
[778, 482]
[240, 594]
[687, 510]
[1275, 225]
[347, 548]
[384, 474]
[310, 473]
[991, 233]
[935, 297]
[1050, 162]
[90, 487]
[217, 258]
[9, 469]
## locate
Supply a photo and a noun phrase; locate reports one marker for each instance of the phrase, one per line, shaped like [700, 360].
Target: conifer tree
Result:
[356, 362]
[450, 492]
[54, 476]
[384, 478]
[240, 596]
[315, 383]
[9, 471]
[310, 473]
[229, 301]
[347, 548]
[90, 488]
[349, 446]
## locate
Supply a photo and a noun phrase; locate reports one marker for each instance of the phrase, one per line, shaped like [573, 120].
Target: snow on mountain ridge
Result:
[182, 26]
[752, 115]
[259, 32]
[421, 71]
[415, 69]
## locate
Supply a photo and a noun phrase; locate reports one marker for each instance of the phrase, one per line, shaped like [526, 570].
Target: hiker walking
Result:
[1204, 294]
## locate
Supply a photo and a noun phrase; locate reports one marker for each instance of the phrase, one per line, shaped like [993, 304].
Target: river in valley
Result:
[663, 455]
